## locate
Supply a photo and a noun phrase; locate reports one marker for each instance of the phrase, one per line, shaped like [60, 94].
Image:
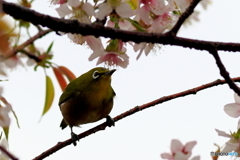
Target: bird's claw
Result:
[110, 122]
[74, 138]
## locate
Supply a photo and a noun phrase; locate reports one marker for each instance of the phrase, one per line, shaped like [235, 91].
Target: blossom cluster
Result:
[233, 144]
[151, 16]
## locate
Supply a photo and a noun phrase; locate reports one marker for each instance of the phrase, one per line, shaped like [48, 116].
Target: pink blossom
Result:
[110, 58]
[146, 47]
[73, 3]
[153, 8]
[63, 10]
[179, 151]
[123, 9]
[11, 62]
[233, 143]
[233, 109]
[122, 24]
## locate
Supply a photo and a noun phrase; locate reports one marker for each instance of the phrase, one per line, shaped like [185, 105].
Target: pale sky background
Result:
[146, 134]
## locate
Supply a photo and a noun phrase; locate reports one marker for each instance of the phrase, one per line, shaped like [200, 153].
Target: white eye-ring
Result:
[95, 75]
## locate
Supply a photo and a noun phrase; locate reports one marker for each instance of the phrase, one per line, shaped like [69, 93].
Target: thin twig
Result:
[10, 155]
[73, 26]
[30, 55]
[134, 110]
[29, 41]
[183, 17]
[224, 73]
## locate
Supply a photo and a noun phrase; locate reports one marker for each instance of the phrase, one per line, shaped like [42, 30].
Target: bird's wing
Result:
[69, 92]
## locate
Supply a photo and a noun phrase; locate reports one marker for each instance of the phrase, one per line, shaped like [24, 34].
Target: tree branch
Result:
[183, 17]
[29, 41]
[73, 26]
[10, 155]
[224, 73]
[134, 110]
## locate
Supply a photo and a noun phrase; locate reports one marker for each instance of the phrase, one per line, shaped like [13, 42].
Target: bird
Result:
[87, 99]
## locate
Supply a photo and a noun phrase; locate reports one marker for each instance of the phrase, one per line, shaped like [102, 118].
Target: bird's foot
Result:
[74, 138]
[110, 122]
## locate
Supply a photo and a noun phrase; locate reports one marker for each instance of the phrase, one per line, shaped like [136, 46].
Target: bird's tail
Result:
[63, 124]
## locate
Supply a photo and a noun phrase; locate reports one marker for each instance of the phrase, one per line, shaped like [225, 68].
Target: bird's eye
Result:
[95, 75]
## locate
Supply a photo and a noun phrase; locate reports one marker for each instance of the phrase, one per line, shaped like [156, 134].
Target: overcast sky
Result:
[146, 134]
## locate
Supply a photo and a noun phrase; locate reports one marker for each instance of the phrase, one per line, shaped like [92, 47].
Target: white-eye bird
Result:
[87, 99]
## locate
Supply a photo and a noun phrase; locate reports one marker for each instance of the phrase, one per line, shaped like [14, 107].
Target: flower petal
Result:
[144, 14]
[125, 25]
[238, 126]
[180, 156]
[95, 54]
[232, 109]
[124, 10]
[158, 7]
[166, 156]
[236, 98]
[148, 48]
[229, 147]
[222, 133]
[88, 8]
[94, 43]
[176, 146]
[104, 9]
[196, 158]
[189, 146]
[63, 10]
[73, 3]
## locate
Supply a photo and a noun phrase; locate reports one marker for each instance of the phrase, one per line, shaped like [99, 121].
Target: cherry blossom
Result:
[180, 151]
[121, 23]
[63, 10]
[233, 109]
[122, 8]
[152, 8]
[233, 143]
[79, 11]
[151, 16]
[113, 55]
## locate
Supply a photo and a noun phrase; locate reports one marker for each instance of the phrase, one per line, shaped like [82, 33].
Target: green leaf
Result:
[49, 95]
[136, 25]
[49, 47]
[15, 116]
[6, 131]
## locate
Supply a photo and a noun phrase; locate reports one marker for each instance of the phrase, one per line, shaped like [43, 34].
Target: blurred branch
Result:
[134, 110]
[224, 73]
[30, 55]
[73, 26]
[10, 155]
[29, 41]
[183, 17]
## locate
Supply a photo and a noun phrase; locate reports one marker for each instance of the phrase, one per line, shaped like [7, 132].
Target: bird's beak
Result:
[109, 73]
